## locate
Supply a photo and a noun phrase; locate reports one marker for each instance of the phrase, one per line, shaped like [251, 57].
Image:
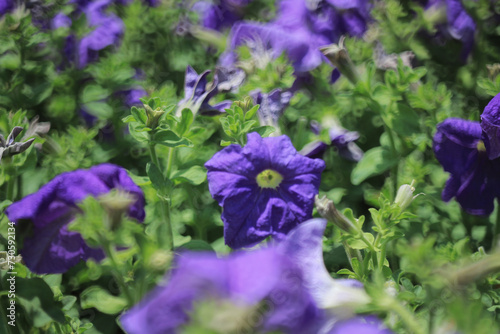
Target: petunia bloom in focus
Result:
[52, 248]
[265, 188]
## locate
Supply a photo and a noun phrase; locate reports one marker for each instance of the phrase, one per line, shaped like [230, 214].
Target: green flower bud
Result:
[116, 203]
[153, 116]
[327, 210]
[404, 197]
[338, 55]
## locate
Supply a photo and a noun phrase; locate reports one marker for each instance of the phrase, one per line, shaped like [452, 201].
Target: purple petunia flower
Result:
[52, 248]
[272, 106]
[289, 280]
[474, 179]
[490, 123]
[265, 188]
[197, 94]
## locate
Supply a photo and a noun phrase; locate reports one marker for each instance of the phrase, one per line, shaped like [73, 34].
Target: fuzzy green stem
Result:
[496, 228]
[407, 317]
[394, 170]
[10, 187]
[381, 261]
[170, 160]
[154, 157]
[110, 254]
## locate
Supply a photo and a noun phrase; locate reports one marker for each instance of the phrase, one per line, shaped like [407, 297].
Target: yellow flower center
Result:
[269, 179]
[480, 146]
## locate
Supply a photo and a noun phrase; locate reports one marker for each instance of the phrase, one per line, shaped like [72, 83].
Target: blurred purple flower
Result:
[6, 6]
[265, 188]
[245, 279]
[272, 106]
[108, 29]
[459, 26]
[289, 278]
[474, 180]
[343, 140]
[360, 325]
[197, 94]
[52, 248]
[60, 21]
[229, 79]
[220, 14]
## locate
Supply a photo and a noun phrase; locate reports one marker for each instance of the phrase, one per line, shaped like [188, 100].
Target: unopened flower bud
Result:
[9, 147]
[327, 210]
[337, 54]
[116, 203]
[404, 197]
[160, 260]
[246, 104]
[153, 116]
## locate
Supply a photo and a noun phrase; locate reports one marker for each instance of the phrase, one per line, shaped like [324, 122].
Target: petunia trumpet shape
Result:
[52, 248]
[265, 188]
[474, 179]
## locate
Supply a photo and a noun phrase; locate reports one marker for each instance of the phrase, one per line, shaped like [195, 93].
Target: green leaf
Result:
[170, 139]
[404, 120]
[99, 109]
[140, 136]
[102, 300]
[139, 115]
[37, 298]
[375, 161]
[196, 245]
[156, 177]
[93, 93]
[194, 175]
[360, 244]
[250, 113]
[185, 122]
[264, 131]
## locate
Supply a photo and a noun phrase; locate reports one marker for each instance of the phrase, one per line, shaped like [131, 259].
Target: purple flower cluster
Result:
[299, 29]
[281, 287]
[52, 248]
[470, 152]
[265, 188]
